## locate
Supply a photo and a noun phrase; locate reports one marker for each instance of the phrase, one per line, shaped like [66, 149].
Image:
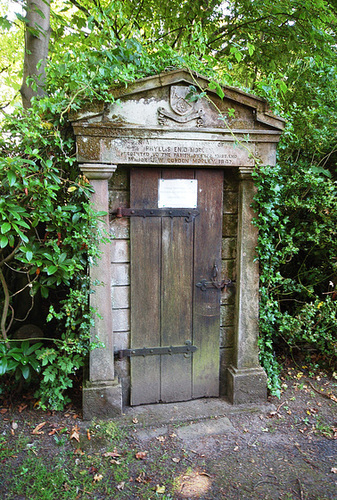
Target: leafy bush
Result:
[47, 233]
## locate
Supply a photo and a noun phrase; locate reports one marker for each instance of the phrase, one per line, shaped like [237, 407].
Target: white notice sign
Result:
[178, 193]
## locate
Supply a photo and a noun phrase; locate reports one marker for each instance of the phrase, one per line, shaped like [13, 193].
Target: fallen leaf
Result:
[22, 407]
[116, 462]
[141, 455]
[14, 426]
[161, 439]
[88, 434]
[78, 451]
[160, 489]
[120, 486]
[135, 420]
[92, 470]
[97, 478]
[75, 433]
[175, 459]
[334, 470]
[3, 410]
[113, 454]
[142, 478]
[38, 428]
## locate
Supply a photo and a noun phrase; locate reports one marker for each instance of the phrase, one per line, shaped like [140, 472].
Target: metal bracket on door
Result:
[205, 284]
[186, 349]
[220, 285]
[189, 213]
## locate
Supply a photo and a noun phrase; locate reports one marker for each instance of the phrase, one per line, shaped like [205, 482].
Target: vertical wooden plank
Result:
[176, 299]
[145, 286]
[206, 313]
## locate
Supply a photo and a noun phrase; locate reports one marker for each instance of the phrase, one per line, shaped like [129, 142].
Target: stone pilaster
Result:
[246, 379]
[102, 393]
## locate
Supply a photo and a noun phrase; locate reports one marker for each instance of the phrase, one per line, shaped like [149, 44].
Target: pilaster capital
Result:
[98, 171]
[245, 173]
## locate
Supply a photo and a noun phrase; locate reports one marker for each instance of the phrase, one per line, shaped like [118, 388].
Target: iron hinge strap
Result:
[188, 348]
[189, 213]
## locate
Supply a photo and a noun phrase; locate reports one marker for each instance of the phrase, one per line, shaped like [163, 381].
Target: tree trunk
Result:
[37, 36]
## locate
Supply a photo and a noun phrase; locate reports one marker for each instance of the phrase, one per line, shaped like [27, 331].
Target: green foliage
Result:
[285, 51]
[20, 360]
[67, 355]
[47, 233]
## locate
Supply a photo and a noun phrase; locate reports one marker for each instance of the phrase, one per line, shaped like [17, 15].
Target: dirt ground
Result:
[207, 449]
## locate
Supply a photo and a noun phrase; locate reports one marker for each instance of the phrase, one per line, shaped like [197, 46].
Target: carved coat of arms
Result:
[178, 101]
[183, 110]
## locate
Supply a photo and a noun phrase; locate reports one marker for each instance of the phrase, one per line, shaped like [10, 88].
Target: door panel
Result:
[145, 288]
[169, 256]
[206, 311]
[177, 300]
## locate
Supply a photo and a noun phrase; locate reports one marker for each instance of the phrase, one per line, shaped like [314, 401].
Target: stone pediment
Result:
[166, 100]
[168, 110]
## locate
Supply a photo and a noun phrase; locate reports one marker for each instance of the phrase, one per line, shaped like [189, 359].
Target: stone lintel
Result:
[246, 385]
[102, 399]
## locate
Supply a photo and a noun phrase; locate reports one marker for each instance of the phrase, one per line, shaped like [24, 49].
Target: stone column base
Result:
[247, 385]
[102, 399]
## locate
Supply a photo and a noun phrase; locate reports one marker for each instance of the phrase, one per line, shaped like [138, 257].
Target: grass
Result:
[104, 466]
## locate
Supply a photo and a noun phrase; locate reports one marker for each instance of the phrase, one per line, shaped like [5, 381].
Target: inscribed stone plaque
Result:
[174, 152]
[177, 193]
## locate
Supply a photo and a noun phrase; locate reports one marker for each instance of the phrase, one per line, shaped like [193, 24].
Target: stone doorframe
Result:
[102, 395]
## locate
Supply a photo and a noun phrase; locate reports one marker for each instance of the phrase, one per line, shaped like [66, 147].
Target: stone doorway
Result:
[154, 128]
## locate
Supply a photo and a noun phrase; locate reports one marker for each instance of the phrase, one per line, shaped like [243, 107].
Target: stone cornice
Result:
[99, 171]
[245, 173]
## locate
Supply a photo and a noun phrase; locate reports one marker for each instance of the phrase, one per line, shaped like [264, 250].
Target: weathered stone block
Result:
[121, 320]
[227, 315]
[120, 274]
[231, 181]
[246, 385]
[228, 269]
[230, 202]
[228, 295]
[228, 248]
[120, 179]
[226, 359]
[229, 225]
[122, 340]
[120, 228]
[102, 400]
[120, 251]
[120, 297]
[118, 199]
[227, 336]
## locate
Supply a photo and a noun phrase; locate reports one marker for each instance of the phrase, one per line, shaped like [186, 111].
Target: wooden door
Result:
[169, 307]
